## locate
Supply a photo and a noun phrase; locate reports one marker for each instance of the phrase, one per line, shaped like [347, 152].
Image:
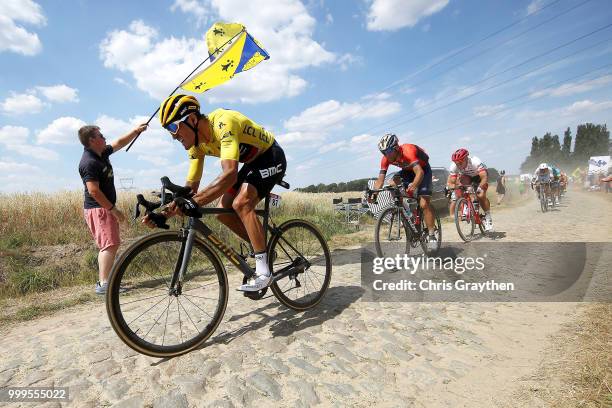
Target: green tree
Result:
[493, 174]
[591, 140]
[567, 145]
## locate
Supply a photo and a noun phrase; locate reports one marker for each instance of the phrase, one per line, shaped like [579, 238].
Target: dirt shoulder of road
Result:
[575, 370]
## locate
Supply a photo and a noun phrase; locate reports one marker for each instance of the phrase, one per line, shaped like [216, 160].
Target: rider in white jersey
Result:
[470, 170]
[542, 176]
[473, 167]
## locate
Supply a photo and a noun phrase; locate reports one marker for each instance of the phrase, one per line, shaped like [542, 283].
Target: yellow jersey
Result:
[233, 137]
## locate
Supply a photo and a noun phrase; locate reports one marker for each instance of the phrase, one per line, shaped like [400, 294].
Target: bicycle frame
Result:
[471, 195]
[397, 199]
[195, 225]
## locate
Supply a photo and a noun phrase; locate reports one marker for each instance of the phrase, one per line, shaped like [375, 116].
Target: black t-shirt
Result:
[98, 168]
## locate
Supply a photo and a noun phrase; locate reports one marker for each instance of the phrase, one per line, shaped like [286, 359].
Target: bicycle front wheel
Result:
[464, 219]
[392, 234]
[543, 202]
[154, 318]
[299, 243]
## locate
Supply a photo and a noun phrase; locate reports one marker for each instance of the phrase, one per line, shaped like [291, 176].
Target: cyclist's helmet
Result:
[388, 142]
[543, 166]
[460, 155]
[176, 107]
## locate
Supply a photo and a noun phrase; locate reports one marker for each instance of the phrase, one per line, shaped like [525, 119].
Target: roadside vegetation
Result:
[576, 370]
[45, 243]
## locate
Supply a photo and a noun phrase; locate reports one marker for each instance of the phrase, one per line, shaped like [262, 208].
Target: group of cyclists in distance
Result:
[550, 180]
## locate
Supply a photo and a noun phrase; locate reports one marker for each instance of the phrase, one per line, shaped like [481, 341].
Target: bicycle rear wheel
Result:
[392, 235]
[464, 219]
[300, 244]
[150, 317]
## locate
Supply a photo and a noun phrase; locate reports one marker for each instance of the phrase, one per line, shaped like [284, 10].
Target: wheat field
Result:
[45, 242]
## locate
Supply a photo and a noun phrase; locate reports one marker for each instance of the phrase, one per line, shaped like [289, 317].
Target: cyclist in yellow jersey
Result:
[234, 138]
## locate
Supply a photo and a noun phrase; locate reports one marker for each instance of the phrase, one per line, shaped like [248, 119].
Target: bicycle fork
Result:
[182, 262]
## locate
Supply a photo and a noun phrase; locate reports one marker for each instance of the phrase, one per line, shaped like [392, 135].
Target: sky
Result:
[443, 74]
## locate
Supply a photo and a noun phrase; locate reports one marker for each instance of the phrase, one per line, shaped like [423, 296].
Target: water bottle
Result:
[415, 214]
[406, 205]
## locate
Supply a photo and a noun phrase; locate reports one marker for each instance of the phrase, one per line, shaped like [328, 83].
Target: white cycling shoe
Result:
[488, 224]
[432, 243]
[259, 283]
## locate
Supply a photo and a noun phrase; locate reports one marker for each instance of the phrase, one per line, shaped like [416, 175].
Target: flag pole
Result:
[185, 80]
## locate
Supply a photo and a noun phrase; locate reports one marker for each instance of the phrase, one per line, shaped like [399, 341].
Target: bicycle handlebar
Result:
[378, 190]
[149, 206]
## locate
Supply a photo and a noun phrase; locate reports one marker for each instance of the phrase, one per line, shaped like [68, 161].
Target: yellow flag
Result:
[232, 50]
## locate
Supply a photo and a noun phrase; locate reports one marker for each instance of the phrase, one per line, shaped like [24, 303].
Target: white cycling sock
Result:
[261, 264]
[488, 214]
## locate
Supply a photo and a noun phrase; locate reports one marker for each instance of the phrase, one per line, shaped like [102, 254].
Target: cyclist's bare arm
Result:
[193, 185]
[418, 175]
[484, 178]
[220, 185]
[377, 184]
[380, 180]
[451, 181]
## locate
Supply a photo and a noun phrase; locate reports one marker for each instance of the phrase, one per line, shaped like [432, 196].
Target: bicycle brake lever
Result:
[136, 212]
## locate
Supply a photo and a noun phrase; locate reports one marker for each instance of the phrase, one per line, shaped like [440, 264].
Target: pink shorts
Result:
[104, 227]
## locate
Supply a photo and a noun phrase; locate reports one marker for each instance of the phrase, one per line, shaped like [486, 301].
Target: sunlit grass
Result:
[45, 242]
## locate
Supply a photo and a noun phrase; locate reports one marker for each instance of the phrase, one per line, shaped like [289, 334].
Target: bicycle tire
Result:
[279, 248]
[393, 213]
[116, 313]
[458, 214]
[543, 201]
[438, 233]
[481, 225]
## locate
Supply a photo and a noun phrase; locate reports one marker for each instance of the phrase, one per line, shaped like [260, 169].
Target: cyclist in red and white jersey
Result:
[469, 170]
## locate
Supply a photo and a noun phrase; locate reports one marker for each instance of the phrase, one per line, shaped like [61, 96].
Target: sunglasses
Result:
[174, 126]
[388, 151]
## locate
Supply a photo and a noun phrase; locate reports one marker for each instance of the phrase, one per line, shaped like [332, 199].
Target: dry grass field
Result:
[45, 243]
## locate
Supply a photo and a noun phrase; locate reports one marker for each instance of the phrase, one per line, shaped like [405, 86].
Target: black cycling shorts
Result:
[263, 172]
[407, 176]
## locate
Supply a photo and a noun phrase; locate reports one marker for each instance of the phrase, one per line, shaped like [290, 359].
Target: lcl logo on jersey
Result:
[265, 173]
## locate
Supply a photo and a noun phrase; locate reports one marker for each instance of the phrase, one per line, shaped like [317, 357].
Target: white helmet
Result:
[387, 142]
[543, 166]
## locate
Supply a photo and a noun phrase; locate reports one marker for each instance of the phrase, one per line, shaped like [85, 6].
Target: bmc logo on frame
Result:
[271, 171]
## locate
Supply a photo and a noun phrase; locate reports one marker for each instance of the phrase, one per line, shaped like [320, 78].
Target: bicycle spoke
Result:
[188, 316]
[178, 310]
[285, 251]
[200, 297]
[187, 297]
[315, 275]
[145, 312]
[166, 324]
[200, 287]
[140, 300]
[156, 320]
